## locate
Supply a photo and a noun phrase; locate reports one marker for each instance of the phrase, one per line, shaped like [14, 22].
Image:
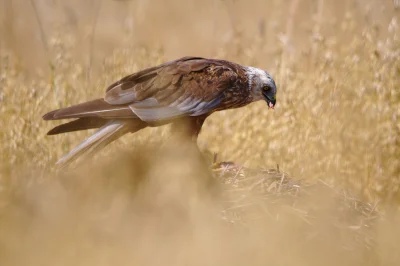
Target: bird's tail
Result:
[109, 132]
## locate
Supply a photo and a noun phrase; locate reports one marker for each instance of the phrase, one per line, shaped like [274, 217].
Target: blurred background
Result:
[337, 120]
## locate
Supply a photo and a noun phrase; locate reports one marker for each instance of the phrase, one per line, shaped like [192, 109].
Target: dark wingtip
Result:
[53, 131]
[50, 115]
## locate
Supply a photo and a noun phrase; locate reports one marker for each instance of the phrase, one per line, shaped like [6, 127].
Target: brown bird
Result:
[190, 88]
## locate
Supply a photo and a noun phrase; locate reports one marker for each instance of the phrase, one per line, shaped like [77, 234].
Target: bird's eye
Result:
[265, 88]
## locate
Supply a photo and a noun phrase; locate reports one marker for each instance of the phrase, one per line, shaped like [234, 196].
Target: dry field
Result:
[335, 135]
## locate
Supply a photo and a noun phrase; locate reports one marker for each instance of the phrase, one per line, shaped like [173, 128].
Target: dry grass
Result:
[336, 130]
[132, 210]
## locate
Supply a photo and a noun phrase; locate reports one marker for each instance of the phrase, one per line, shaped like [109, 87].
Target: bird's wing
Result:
[186, 87]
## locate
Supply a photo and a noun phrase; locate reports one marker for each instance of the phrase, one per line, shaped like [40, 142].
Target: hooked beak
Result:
[271, 101]
[271, 106]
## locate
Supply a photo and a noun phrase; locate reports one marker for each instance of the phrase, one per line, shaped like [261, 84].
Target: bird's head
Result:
[262, 86]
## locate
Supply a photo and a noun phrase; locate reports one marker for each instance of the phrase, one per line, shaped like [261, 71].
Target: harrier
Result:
[189, 89]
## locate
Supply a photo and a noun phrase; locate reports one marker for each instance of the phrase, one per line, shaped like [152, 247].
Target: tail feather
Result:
[111, 131]
[95, 108]
[79, 124]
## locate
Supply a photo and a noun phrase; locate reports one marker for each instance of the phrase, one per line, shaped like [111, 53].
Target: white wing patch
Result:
[119, 96]
[146, 103]
[157, 114]
[205, 107]
[150, 111]
[187, 106]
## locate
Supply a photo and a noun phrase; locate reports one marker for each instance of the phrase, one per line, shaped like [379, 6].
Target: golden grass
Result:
[162, 206]
[336, 127]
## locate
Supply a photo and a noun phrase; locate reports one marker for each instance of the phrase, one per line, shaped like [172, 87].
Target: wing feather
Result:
[188, 86]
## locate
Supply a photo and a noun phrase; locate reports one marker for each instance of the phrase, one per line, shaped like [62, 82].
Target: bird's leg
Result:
[195, 127]
[189, 127]
[186, 130]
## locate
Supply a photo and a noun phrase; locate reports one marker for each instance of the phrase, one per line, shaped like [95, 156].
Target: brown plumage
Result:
[189, 89]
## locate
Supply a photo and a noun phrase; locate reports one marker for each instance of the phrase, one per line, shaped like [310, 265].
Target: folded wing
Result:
[186, 87]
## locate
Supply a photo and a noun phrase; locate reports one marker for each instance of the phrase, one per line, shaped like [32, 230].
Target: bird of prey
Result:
[189, 88]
